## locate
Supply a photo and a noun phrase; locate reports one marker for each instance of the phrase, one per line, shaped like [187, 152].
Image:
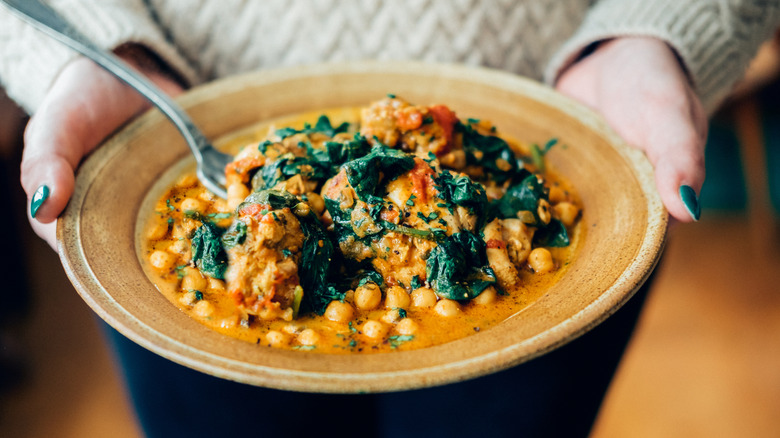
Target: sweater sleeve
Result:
[30, 61]
[715, 40]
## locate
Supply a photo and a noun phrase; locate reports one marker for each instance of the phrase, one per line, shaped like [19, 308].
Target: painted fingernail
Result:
[39, 197]
[691, 201]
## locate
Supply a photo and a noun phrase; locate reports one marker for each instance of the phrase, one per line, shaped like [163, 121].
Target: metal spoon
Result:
[211, 162]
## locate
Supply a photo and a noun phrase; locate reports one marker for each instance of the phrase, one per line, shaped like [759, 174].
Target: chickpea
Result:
[188, 298]
[368, 296]
[391, 316]
[206, 196]
[236, 193]
[277, 339]
[338, 311]
[488, 296]
[316, 202]
[186, 181]
[157, 230]
[193, 280]
[541, 261]
[292, 328]
[192, 205]
[566, 212]
[375, 329]
[454, 160]
[424, 297]
[180, 247]
[494, 192]
[557, 194]
[229, 322]
[308, 337]
[396, 297]
[447, 308]
[203, 308]
[543, 210]
[406, 326]
[216, 285]
[162, 260]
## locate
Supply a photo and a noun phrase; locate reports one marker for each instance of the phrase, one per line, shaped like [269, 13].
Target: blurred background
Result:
[703, 363]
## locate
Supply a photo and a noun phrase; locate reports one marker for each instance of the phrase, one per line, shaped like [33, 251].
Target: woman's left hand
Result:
[640, 88]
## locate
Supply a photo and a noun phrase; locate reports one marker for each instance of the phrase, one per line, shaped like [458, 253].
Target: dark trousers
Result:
[555, 395]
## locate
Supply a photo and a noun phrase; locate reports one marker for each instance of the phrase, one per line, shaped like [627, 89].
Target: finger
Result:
[677, 153]
[49, 161]
[84, 105]
[48, 232]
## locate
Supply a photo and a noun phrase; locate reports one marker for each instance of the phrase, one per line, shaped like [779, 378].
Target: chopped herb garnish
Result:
[397, 340]
[220, 216]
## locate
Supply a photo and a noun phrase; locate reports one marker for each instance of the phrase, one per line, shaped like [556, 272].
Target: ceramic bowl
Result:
[623, 215]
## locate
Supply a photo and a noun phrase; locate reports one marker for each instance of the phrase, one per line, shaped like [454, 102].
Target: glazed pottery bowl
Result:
[624, 220]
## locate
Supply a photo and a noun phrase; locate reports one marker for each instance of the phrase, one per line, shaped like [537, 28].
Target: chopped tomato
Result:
[408, 120]
[421, 178]
[445, 118]
[495, 243]
[241, 168]
[254, 210]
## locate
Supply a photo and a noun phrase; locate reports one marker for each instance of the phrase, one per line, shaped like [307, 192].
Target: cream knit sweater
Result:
[207, 39]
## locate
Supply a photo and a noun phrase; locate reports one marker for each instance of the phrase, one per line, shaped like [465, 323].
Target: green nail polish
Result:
[40, 195]
[691, 201]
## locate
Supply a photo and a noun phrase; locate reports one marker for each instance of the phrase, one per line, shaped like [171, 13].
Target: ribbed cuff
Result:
[714, 40]
[31, 60]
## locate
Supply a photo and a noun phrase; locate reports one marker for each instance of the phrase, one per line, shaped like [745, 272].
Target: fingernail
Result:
[40, 195]
[691, 201]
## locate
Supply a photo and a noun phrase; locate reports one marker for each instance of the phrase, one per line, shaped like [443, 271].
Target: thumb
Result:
[677, 154]
[84, 105]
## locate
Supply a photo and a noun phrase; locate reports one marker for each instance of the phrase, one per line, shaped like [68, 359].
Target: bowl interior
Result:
[624, 220]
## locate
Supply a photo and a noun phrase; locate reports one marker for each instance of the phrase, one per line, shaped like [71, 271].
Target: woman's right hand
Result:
[84, 105]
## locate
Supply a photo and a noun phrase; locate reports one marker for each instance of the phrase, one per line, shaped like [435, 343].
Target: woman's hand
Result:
[84, 105]
[639, 87]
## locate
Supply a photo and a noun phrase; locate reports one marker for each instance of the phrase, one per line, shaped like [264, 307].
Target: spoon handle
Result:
[47, 20]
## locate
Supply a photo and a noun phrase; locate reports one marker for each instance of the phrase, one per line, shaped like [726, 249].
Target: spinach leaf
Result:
[275, 199]
[235, 235]
[457, 268]
[314, 267]
[323, 126]
[285, 167]
[525, 197]
[553, 234]
[491, 152]
[340, 153]
[461, 190]
[317, 165]
[520, 197]
[364, 173]
[207, 252]
[371, 276]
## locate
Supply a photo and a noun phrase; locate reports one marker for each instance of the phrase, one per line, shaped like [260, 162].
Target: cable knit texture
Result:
[715, 39]
[207, 39]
